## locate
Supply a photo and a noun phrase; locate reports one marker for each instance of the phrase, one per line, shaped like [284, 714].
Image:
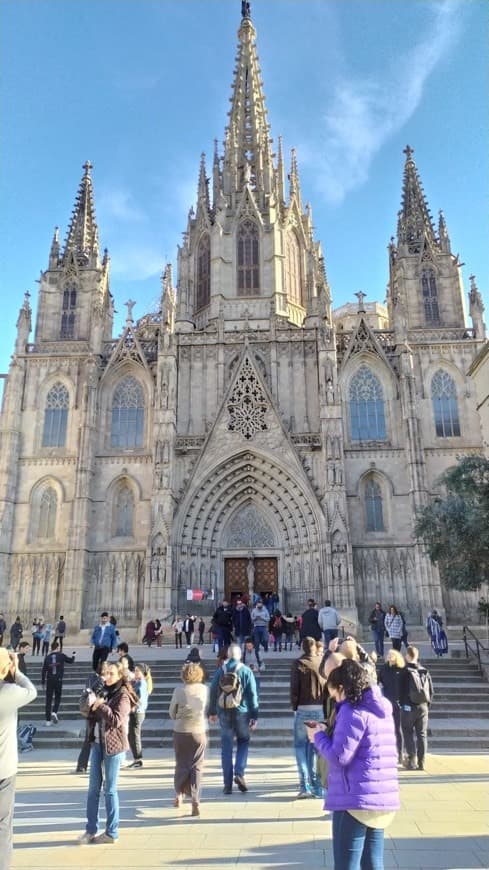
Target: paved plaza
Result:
[443, 823]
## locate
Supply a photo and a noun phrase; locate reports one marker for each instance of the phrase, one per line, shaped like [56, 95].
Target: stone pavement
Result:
[443, 823]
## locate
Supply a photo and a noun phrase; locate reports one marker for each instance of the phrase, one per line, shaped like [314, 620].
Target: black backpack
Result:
[419, 686]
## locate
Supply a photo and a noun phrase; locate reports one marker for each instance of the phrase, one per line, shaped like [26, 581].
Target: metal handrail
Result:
[469, 648]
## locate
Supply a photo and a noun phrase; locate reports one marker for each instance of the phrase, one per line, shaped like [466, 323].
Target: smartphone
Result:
[311, 724]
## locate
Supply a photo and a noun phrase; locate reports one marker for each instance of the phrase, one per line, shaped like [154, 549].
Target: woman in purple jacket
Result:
[363, 788]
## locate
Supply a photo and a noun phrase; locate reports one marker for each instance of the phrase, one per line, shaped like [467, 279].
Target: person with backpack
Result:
[60, 632]
[234, 702]
[416, 696]
[277, 628]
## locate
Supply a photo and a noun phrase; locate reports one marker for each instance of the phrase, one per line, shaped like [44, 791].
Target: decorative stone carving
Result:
[248, 529]
[247, 404]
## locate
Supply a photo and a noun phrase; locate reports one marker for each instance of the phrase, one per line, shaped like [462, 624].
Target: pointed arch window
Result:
[127, 428]
[68, 313]
[204, 271]
[293, 276]
[445, 405]
[124, 512]
[48, 507]
[248, 259]
[56, 416]
[366, 399]
[373, 507]
[430, 296]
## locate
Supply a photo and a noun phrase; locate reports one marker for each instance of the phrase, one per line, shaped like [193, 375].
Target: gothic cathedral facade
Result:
[244, 437]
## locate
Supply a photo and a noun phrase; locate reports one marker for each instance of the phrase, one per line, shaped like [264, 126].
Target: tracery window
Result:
[248, 259]
[56, 416]
[247, 404]
[445, 405]
[124, 512]
[68, 313]
[430, 296]
[366, 399]
[204, 272]
[48, 506]
[293, 277]
[127, 428]
[373, 507]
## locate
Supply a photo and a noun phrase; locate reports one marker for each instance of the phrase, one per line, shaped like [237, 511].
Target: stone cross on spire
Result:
[87, 166]
[408, 151]
[360, 296]
[130, 305]
[245, 9]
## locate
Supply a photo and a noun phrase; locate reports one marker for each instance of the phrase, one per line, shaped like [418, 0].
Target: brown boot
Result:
[195, 809]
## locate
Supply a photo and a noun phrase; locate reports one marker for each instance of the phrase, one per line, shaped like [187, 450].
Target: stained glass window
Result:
[248, 259]
[373, 504]
[204, 272]
[68, 314]
[128, 414]
[366, 407]
[47, 514]
[293, 282]
[430, 296]
[445, 405]
[56, 416]
[124, 513]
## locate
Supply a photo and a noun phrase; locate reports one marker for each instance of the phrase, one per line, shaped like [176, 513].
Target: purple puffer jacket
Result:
[362, 755]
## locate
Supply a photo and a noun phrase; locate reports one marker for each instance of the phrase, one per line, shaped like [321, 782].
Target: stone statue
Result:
[245, 9]
[250, 573]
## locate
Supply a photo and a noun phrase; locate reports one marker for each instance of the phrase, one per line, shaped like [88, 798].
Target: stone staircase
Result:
[459, 717]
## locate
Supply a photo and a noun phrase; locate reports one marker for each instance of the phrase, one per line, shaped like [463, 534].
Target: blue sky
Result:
[141, 87]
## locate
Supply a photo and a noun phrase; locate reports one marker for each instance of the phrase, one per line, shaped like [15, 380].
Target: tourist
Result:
[16, 690]
[21, 654]
[52, 678]
[390, 679]
[249, 651]
[329, 620]
[3, 628]
[306, 700]
[96, 684]
[237, 715]
[143, 686]
[47, 636]
[394, 627]
[438, 638]
[188, 629]
[223, 623]
[158, 632]
[416, 697]
[376, 620]
[277, 628]
[188, 708]
[150, 633]
[16, 631]
[363, 789]
[351, 649]
[37, 637]
[177, 626]
[289, 629]
[60, 632]
[126, 660]
[109, 723]
[201, 631]
[260, 618]
[104, 640]
[242, 625]
[309, 622]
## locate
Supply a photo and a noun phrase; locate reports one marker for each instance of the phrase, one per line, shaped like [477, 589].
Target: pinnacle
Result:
[82, 237]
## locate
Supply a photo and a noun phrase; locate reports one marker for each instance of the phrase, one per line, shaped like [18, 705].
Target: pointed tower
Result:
[74, 298]
[251, 255]
[425, 288]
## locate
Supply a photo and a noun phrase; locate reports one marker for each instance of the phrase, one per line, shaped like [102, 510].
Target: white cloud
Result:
[135, 261]
[116, 203]
[365, 112]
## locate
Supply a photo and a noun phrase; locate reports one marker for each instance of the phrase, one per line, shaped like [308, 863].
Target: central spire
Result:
[82, 238]
[248, 147]
[415, 223]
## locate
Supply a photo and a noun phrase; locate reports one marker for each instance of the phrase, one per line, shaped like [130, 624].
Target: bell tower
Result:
[425, 286]
[75, 304]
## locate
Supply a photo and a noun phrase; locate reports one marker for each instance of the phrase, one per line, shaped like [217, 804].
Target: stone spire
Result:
[24, 325]
[443, 237]
[54, 252]
[294, 183]
[415, 224]
[203, 203]
[82, 239]
[476, 309]
[247, 145]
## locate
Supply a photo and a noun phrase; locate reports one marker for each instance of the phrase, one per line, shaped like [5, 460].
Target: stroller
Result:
[25, 733]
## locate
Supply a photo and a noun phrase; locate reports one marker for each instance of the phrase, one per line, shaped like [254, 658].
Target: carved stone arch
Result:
[49, 381]
[384, 479]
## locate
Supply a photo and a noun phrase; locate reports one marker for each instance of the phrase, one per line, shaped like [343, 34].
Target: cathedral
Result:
[245, 436]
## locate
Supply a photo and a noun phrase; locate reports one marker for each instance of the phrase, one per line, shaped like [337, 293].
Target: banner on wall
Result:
[200, 595]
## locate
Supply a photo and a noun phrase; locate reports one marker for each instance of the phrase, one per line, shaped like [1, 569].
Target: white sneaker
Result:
[54, 718]
[48, 724]
[262, 667]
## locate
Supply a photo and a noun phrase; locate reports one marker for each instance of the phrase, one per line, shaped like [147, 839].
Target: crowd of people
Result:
[356, 718]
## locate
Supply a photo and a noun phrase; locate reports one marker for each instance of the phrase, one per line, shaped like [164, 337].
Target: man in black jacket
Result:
[52, 678]
[416, 697]
[310, 622]
[223, 624]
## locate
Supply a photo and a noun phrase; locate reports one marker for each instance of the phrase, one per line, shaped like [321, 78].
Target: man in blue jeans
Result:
[306, 699]
[237, 721]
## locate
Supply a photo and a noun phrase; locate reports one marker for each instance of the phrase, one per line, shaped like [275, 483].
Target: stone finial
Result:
[130, 305]
[245, 9]
[408, 151]
[361, 306]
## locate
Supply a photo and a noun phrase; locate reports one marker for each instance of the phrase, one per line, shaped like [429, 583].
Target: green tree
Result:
[455, 529]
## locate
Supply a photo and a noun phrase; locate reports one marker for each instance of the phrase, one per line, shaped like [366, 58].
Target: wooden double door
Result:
[237, 576]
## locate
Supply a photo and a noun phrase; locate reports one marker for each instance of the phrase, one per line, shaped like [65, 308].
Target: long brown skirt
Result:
[189, 763]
